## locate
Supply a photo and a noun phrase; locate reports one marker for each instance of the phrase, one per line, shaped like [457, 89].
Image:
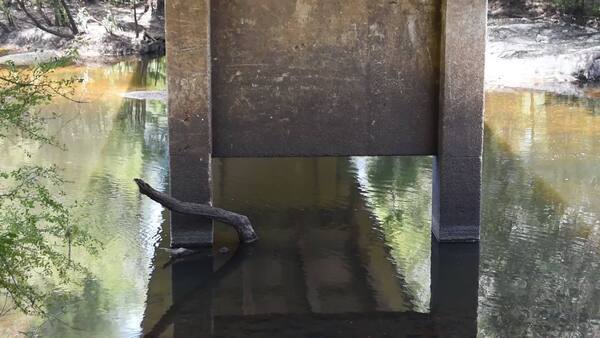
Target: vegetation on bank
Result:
[578, 7]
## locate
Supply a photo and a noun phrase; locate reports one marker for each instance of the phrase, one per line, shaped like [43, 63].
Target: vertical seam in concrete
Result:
[209, 91]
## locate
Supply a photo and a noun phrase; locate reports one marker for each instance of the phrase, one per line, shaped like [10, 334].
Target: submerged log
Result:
[240, 223]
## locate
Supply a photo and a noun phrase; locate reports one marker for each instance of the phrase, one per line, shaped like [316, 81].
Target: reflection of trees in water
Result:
[147, 73]
[558, 142]
[393, 179]
[156, 135]
[147, 118]
[398, 192]
[134, 144]
[138, 115]
[135, 147]
[590, 103]
[105, 151]
[133, 114]
[540, 269]
[78, 315]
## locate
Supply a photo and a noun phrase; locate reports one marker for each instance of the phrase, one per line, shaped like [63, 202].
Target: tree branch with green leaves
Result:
[38, 227]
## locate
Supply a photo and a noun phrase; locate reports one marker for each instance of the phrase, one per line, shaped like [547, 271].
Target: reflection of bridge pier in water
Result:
[454, 288]
[197, 310]
[321, 266]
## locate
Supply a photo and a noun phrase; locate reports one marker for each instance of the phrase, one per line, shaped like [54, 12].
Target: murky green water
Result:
[343, 238]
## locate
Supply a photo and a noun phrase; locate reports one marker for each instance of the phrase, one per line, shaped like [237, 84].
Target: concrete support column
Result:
[457, 167]
[189, 105]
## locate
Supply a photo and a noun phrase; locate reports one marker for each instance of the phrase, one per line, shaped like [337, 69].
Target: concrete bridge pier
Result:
[189, 104]
[457, 165]
[297, 78]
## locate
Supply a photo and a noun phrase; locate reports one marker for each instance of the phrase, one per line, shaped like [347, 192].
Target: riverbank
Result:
[108, 33]
[540, 54]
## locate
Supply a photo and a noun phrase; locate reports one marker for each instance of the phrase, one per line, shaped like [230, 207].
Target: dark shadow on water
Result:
[454, 285]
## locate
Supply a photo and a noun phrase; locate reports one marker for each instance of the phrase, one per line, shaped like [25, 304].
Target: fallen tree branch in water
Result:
[240, 223]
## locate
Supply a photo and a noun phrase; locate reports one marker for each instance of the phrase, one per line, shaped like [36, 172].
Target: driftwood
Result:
[240, 223]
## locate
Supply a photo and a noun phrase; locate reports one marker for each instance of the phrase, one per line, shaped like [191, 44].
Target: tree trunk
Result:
[240, 223]
[9, 17]
[72, 22]
[160, 7]
[4, 28]
[39, 25]
[58, 14]
[135, 20]
[40, 9]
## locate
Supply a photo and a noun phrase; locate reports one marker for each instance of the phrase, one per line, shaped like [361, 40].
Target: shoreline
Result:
[27, 59]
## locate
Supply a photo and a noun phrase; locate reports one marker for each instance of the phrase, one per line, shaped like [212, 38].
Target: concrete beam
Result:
[296, 78]
[457, 168]
[189, 105]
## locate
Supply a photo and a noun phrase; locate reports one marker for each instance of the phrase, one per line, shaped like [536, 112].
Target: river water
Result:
[342, 239]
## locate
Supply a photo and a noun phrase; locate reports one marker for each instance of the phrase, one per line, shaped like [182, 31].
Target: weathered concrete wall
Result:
[311, 77]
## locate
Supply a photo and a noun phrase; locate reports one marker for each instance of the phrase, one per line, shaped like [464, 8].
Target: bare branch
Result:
[240, 223]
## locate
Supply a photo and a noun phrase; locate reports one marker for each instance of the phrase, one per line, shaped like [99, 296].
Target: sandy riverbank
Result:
[539, 54]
